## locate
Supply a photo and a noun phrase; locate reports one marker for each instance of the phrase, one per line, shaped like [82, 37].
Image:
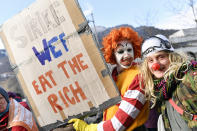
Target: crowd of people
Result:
[158, 94]
[121, 47]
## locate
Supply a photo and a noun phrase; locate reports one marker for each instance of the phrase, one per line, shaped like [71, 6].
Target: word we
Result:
[49, 47]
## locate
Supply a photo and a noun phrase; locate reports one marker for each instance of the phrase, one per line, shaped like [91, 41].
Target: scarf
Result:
[163, 89]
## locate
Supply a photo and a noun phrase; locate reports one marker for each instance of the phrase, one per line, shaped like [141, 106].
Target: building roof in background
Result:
[184, 32]
[184, 36]
[187, 49]
[177, 34]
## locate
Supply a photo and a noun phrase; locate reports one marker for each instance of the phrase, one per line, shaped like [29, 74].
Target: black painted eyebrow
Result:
[121, 45]
[126, 44]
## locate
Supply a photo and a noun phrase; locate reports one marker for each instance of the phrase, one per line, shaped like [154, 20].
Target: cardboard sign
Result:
[57, 61]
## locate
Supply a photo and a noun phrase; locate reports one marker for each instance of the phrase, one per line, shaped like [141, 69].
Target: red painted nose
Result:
[156, 66]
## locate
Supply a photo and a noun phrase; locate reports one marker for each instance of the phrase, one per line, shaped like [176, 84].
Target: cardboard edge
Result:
[114, 94]
[19, 76]
[89, 42]
[103, 106]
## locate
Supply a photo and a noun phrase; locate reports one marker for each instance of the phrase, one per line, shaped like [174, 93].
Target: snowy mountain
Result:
[98, 29]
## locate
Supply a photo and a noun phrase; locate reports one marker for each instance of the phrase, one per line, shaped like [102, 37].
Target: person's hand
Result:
[80, 125]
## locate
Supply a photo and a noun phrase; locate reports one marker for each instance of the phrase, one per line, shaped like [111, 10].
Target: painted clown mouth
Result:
[126, 61]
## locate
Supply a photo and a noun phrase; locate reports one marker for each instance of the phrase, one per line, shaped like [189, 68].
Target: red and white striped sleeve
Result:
[130, 106]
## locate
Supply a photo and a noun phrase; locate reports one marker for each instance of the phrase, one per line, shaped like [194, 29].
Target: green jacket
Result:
[183, 92]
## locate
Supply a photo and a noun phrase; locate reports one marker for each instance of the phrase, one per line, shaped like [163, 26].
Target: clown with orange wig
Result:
[121, 47]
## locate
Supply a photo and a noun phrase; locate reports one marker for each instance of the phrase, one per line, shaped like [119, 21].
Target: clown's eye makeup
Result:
[124, 54]
[120, 51]
[129, 50]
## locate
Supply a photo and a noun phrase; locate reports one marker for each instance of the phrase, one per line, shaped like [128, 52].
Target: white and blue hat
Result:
[154, 44]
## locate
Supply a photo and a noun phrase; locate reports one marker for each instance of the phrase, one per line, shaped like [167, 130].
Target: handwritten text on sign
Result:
[57, 70]
[76, 64]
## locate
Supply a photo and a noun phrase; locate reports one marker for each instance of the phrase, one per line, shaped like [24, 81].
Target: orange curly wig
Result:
[111, 40]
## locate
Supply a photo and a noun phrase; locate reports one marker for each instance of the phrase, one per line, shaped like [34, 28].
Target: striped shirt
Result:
[131, 104]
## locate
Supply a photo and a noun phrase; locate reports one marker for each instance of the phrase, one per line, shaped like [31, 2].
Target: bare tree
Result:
[178, 6]
[149, 19]
[191, 4]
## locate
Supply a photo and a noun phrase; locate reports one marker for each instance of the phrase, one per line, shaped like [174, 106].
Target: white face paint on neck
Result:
[124, 54]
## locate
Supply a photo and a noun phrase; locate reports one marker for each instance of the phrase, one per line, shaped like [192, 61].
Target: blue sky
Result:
[164, 14]
[9, 8]
[113, 12]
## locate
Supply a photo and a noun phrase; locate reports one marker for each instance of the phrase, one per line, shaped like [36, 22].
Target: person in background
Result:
[14, 96]
[18, 98]
[121, 47]
[170, 81]
[13, 116]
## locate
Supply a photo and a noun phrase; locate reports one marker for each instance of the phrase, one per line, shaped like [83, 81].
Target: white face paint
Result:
[124, 54]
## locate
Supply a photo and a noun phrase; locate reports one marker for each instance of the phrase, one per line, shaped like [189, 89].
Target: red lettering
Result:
[44, 82]
[63, 99]
[53, 102]
[49, 73]
[68, 96]
[74, 65]
[72, 100]
[61, 65]
[76, 91]
[36, 88]
[81, 61]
